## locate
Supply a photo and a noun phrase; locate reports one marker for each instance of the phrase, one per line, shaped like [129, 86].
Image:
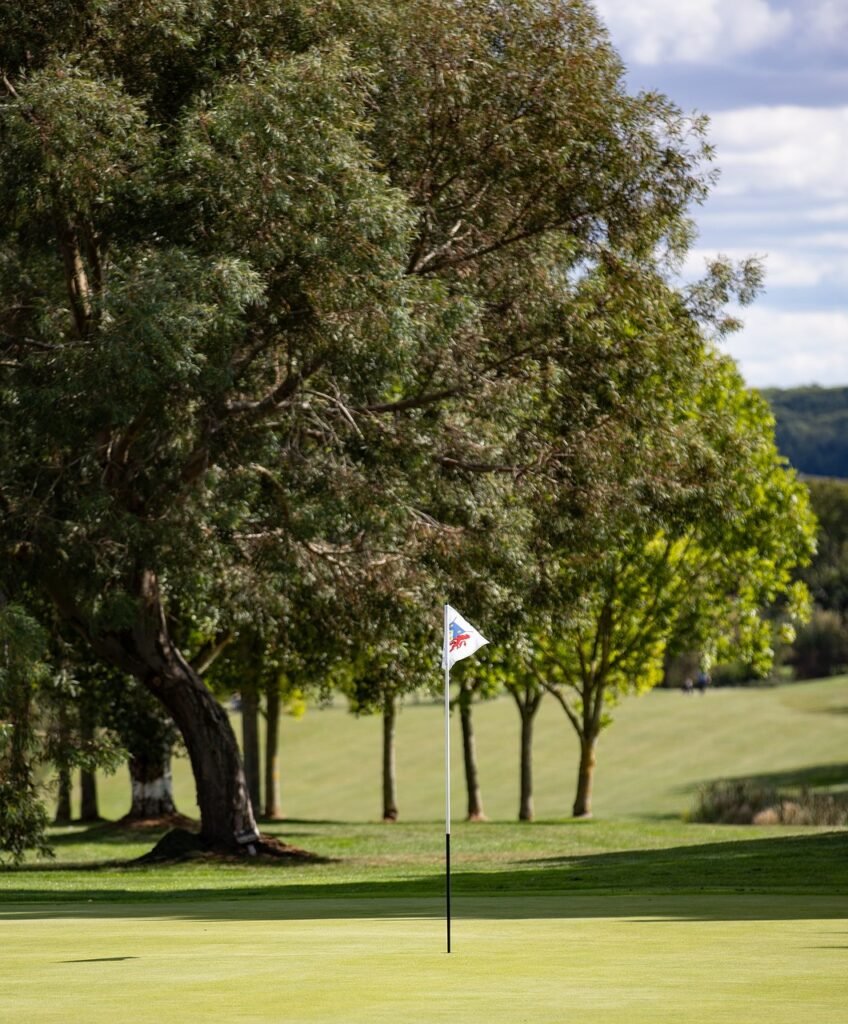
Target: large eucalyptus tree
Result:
[278, 280]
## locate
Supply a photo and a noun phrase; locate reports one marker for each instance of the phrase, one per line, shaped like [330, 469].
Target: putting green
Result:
[620, 960]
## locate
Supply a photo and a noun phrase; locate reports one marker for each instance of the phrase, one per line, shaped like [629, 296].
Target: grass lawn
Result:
[635, 916]
[660, 748]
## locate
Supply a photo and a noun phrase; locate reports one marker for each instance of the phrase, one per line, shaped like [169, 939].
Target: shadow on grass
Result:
[810, 777]
[779, 876]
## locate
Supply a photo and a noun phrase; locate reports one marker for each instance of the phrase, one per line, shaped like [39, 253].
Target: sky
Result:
[773, 77]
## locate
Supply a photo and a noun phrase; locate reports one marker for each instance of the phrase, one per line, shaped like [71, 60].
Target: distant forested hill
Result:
[812, 428]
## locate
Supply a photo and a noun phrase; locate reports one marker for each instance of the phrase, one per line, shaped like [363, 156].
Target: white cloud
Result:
[826, 23]
[801, 150]
[693, 31]
[785, 348]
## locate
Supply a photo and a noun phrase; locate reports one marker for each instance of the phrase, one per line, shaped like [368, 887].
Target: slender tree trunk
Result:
[273, 794]
[527, 698]
[152, 784]
[390, 808]
[250, 740]
[88, 796]
[63, 795]
[63, 798]
[583, 800]
[88, 779]
[469, 756]
[147, 651]
[525, 800]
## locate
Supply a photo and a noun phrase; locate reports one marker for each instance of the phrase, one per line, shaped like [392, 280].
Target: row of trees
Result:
[313, 315]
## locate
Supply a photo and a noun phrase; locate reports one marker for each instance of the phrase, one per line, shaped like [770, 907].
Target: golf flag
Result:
[461, 639]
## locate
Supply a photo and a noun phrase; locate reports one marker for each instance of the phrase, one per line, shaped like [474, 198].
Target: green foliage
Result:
[827, 574]
[23, 818]
[821, 646]
[306, 310]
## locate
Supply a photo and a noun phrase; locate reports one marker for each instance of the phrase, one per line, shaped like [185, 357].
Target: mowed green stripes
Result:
[699, 959]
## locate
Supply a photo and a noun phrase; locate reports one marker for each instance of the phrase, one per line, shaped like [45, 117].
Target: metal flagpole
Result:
[447, 783]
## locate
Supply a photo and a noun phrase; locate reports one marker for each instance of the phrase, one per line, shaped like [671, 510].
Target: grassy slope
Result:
[660, 747]
[621, 920]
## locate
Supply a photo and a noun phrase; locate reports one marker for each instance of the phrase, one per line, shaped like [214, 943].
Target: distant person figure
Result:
[703, 681]
[688, 685]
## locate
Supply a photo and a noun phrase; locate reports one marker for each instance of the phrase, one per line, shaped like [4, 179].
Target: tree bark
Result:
[525, 800]
[469, 756]
[88, 779]
[152, 784]
[250, 740]
[89, 811]
[583, 799]
[273, 793]
[63, 798]
[147, 651]
[390, 808]
[63, 795]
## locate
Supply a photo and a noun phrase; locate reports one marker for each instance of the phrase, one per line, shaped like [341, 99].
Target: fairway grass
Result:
[623, 960]
[634, 917]
[660, 748]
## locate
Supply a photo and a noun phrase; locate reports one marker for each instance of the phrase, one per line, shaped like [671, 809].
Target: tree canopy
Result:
[331, 300]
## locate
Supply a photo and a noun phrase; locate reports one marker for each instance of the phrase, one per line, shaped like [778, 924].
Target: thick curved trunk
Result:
[469, 758]
[147, 651]
[226, 812]
[390, 808]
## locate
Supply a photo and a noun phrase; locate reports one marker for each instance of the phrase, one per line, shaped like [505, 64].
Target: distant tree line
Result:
[812, 428]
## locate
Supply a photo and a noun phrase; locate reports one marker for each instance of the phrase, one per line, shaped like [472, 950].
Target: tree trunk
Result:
[250, 740]
[152, 784]
[88, 796]
[146, 651]
[390, 810]
[226, 811]
[469, 756]
[63, 798]
[525, 800]
[583, 800]
[63, 795]
[88, 779]
[273, 794]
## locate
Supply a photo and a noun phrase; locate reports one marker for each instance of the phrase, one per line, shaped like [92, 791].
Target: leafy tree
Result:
[275, 278]
[827, 574]
[23, 650]
[701, 564]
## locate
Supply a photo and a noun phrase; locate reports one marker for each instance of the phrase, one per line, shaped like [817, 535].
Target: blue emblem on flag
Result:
[458, 637]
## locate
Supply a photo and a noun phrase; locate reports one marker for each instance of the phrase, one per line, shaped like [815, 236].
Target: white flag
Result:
[461, 638]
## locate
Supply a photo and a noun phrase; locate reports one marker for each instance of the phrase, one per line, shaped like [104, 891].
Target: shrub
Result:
[748, 802]
[821, 647]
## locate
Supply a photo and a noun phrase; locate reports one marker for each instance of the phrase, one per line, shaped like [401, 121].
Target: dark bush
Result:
[821, 647]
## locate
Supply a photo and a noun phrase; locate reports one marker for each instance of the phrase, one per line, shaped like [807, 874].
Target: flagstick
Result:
[447, 785]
